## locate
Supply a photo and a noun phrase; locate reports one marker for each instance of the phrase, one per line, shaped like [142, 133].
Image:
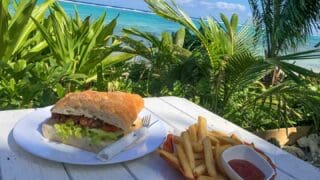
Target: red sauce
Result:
[246, 170]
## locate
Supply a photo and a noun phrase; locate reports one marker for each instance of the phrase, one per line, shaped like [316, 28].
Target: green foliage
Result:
[225, 73]
[44, 57]
[22, 55]
[79, 46]
[286, 24]
[158, 59]
[46, 53]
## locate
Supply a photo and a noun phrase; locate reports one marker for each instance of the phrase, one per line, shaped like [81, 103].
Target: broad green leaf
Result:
[97, 27]
[234, 22]
[100, 80]
[4, 19]
[116, 58]
[19, 65]
[60, 90]
[106, 32]
[38, 13]
[179, 37]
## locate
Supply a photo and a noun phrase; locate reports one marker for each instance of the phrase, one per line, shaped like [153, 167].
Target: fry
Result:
[208, 157]
[235, 137]
[202, 128]
[198, 156]
[218, 151]
[169, 156]
[188, 148]
[197, 147]
[227, 140]
[193, 133]
[177, 139]
[184, 162]
[217, 133]
[214, 140]
[202, 177]
[199, 170]
[199, 161]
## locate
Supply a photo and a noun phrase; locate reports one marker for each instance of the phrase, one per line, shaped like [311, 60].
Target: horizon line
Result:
[116, 7]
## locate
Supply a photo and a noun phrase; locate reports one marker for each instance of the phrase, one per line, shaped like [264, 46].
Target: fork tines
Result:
[146, 120]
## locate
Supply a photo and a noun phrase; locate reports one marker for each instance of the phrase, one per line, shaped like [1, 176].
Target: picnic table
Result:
[176, 113]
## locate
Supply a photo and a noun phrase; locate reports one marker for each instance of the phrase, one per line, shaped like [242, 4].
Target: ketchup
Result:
[246, 170]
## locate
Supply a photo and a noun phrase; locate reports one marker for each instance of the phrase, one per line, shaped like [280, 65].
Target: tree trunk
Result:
[276, 77]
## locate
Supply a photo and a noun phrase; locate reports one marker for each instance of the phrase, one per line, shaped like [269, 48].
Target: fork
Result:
[118, 146]
[146, 120]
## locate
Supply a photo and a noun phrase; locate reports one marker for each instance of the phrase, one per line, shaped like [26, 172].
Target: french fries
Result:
[199, 161]
[227, 140]
[236, 138]
[188, 149]
[217, 133]
[202, 128]
[203, 177]
[184, 162]
[214, 140]
[177, 139]
[208, 157]
[192, 130]
[199, 170]
[218, 151]
[198, 151]
[169, 156]
[198, 156]
[197, 147]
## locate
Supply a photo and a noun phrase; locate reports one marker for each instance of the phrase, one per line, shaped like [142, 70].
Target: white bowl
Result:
[246, 153]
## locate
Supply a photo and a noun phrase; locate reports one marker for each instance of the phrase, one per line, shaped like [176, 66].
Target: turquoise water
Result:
[127, 18]
[150, 22]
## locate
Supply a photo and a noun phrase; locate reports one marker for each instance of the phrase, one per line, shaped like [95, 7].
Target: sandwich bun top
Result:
[116, 108]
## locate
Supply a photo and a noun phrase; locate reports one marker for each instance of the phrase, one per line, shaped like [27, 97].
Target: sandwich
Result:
[91, 120]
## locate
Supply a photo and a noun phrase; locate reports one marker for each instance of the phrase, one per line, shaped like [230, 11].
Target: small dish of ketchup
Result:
[244, 163]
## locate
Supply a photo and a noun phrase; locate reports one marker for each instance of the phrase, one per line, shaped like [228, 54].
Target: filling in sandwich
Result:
[80, 126]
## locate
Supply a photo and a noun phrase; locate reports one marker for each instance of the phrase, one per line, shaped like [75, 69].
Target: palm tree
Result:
[232, 72]
[223, 63]
[285, 25]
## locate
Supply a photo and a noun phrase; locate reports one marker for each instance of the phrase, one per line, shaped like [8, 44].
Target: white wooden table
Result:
[177, 113]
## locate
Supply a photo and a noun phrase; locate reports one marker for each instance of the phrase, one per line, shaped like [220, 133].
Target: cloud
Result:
[224, 6]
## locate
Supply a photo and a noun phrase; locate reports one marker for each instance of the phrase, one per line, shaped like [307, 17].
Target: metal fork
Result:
[146, 120]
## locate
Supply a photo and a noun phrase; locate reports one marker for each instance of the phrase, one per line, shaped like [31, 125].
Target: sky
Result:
[195, 8]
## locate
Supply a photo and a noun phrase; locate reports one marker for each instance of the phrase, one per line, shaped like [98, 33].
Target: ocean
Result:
[147, 21]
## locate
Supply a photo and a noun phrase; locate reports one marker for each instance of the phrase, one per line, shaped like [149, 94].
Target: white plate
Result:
[27, 133]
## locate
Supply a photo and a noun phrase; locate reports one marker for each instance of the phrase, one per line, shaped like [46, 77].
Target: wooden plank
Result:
[169, 114]
[285, 161]
[152, 166]
[17, 164]
[113, 171]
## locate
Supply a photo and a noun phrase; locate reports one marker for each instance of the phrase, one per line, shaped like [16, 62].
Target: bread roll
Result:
[116, 108]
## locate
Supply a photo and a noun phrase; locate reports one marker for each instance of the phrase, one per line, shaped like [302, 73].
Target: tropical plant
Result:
[78, 46]
[22, 50]
[233, 71]
[274, 18]
[159, 56]
[45, 53]
[217, 59]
